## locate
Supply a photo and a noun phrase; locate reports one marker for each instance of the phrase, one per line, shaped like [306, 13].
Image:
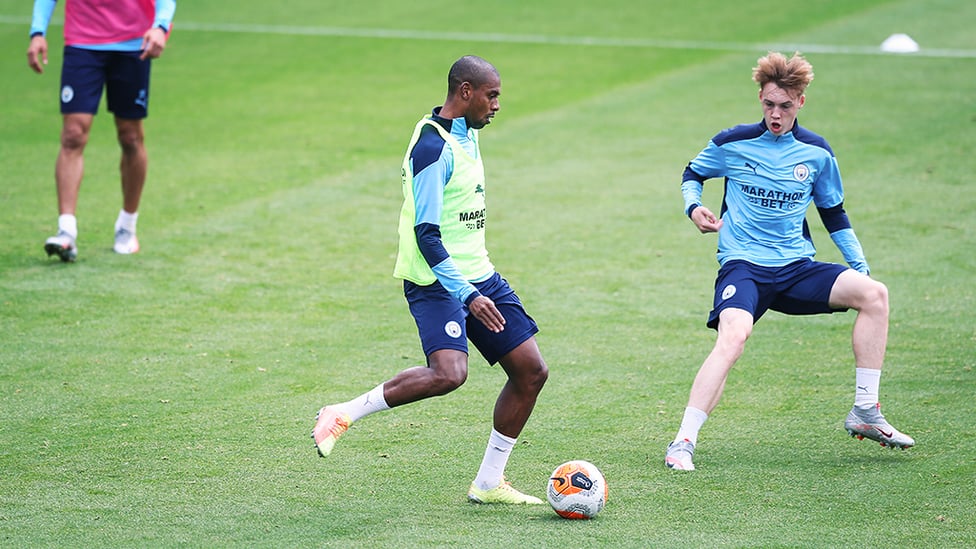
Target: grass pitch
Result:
[165, 399]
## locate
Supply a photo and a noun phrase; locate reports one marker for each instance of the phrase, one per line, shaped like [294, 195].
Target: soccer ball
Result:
[577, 490]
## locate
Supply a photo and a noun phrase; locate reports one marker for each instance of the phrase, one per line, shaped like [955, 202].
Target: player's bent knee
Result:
[882, 291]
[874, 297]
[446, 381]
[529, 375]
[538, 377]
[733, 337]
[533, 380]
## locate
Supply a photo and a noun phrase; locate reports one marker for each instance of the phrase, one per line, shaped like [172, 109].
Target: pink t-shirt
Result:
[91, 22]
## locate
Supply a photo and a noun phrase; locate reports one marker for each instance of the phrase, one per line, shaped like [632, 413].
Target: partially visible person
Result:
[773, 170]
[107, 45]
[451, 287]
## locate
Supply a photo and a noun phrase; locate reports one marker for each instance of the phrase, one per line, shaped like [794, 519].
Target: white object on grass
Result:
[899, 43]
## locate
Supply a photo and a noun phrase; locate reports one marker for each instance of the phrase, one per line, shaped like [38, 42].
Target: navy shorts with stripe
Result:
[799, 288]
[444, 322]
[123, 76]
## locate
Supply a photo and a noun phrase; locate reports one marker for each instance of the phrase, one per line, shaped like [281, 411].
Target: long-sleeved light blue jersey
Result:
[769, 183]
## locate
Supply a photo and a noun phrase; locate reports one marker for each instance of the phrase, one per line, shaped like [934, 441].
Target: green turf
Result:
[165, 399]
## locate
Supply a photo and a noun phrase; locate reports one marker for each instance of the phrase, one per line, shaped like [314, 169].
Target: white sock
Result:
[691, 423]
[69, 224]
[127, 221]
[866, 383]
[496, 458]
[364, 404]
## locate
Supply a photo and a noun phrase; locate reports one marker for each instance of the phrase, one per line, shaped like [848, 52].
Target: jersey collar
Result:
[458, 127]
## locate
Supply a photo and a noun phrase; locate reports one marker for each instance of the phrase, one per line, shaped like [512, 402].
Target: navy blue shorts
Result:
[444, 322]
[800, 288]
[122, 74]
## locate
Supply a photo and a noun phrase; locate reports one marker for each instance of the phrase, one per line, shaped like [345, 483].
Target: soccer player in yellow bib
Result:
[451, 286]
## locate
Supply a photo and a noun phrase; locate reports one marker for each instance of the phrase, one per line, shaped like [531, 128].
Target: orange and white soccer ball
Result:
[577, 490]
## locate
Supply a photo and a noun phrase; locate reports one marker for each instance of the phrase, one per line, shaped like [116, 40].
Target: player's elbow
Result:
[834, 218]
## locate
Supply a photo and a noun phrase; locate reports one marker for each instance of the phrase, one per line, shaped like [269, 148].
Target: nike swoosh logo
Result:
[886, 434]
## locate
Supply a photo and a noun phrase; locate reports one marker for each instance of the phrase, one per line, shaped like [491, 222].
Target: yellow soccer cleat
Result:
[503, 493]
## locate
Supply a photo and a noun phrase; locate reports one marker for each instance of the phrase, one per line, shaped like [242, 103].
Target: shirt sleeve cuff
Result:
[471, 297]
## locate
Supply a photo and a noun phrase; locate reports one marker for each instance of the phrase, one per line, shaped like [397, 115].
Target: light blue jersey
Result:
[769, 183]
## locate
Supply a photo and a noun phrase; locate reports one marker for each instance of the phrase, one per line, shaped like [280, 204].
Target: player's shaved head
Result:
[473, 87]
[472, 69]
